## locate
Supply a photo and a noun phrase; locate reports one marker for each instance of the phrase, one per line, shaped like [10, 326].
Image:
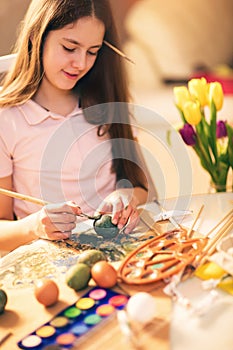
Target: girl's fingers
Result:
[64, 227]
[124, 216]
[50, 228]
[56, 235]
[57, 221]
[63, 208]
[133, 221]
[56, 218]
[118, 207]
[75, 208]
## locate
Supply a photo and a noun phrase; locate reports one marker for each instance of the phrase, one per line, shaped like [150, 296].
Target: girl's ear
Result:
[31, 38]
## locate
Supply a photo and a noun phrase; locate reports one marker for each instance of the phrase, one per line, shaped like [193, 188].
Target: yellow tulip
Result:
[198, 88]
[182, 95]
[216, 94]
[192, 112]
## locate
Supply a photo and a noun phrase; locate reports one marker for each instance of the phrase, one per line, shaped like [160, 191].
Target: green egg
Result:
[91, 256]
[78, 276]
[105, 228]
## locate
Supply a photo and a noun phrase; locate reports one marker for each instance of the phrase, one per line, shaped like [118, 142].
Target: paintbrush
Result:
[119, 52]
[23, 197]
[38, 201]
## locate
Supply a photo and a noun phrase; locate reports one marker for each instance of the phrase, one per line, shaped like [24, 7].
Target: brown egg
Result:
[46, 292]
[104, 274]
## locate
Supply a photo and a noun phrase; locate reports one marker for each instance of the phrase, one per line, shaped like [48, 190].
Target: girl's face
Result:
[69, 53]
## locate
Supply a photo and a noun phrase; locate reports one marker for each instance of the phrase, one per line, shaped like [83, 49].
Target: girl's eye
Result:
[68, 49]
[92, 53]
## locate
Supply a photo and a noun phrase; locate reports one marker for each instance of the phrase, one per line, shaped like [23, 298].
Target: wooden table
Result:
[23, 313]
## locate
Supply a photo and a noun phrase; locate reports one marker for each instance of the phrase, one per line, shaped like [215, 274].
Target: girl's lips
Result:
[71, 76]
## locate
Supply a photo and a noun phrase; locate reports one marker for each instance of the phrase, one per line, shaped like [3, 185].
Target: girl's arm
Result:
[12, 233]
[53, 221]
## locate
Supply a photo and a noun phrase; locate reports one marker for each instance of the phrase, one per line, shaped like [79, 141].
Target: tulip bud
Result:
[192, 112]
[198, 88]
[188, 135]
[221, 130]
[216, 94]
[182, 95]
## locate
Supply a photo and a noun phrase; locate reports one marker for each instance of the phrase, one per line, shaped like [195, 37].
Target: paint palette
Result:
[160, 257]
[65, 329]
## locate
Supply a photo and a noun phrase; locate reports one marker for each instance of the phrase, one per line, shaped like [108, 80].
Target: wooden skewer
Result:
[23, 197]
[206, 254]
[221, 233]
[5, 337]
[119, 52]
[190, 231]
[230, 213]
[210, 247]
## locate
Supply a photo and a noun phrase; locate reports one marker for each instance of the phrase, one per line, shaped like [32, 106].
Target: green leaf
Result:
[181, 114]
[212, 129]
[207, 165]
[203, 143]
[230, 144]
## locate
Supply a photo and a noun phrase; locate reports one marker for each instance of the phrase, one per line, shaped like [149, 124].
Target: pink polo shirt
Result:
[54, 158]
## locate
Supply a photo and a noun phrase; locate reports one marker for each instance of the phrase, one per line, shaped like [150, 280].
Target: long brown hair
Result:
[105, 83]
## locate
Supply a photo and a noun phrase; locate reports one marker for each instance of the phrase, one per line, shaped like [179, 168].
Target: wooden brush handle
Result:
[23, 197]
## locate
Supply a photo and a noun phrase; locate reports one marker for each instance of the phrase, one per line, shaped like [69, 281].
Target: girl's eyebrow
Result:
[72, 41]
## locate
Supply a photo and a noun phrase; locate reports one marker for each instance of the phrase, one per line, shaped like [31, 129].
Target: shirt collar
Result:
[35, 114]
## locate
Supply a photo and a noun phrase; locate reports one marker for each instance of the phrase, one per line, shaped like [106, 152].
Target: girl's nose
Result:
[79, 61]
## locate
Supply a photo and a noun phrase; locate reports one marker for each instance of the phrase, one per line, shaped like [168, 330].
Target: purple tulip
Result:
[221, 130]
[188, 134]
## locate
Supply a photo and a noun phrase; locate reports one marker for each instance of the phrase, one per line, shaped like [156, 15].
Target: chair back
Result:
[5, 62]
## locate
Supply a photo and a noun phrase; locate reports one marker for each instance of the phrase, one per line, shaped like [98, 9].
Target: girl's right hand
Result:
[56, 221]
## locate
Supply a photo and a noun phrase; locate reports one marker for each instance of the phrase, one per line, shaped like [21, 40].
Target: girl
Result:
[65, 133]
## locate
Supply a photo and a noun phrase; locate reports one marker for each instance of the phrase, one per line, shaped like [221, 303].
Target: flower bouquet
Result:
[211, 139]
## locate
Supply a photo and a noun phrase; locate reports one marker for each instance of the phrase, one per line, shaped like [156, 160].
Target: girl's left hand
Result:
[122, 206]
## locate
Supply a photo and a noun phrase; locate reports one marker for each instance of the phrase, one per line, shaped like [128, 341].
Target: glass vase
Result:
[222, 187]
[213, 187]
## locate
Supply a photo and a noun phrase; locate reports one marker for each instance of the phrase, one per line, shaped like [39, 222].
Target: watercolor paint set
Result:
[64, 330]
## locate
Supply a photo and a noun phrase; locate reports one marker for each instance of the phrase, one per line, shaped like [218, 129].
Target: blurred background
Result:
[170, 42]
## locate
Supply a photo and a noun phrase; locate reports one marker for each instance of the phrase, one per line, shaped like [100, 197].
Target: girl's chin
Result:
[67, 86]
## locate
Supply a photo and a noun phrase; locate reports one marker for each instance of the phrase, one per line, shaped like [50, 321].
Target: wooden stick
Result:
[220, 222]
[5, 337]
[190, 269]
[222, 232]
[190, 231]
[118, 51]
[23, 197]
[210, 247]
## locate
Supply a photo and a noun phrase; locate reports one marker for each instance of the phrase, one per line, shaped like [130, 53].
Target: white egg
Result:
[141, 307]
